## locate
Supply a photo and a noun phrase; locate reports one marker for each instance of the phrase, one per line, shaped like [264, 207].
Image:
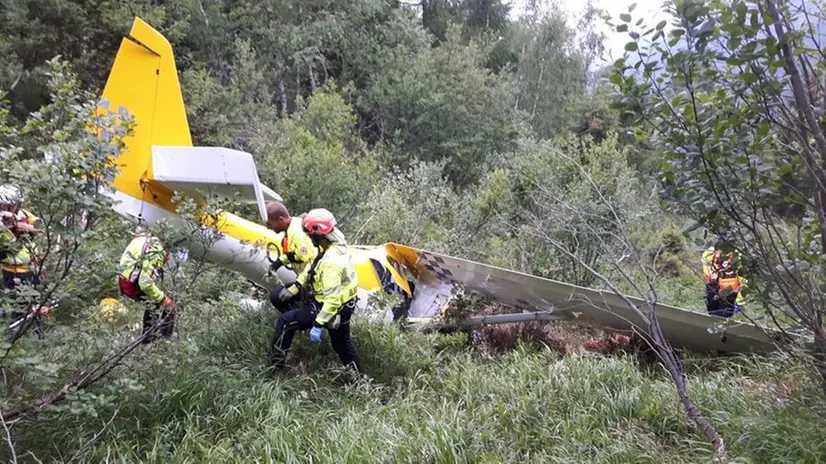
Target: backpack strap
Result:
[138, 267]
[311, 272]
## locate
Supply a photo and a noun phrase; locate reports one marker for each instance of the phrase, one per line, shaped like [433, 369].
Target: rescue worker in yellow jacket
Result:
[18, 254]
[332, 284]
[724, 283]
[16, 232]
[297, 251]
[140, 268]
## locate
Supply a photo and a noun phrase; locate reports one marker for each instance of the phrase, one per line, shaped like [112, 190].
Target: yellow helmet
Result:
[111, 309]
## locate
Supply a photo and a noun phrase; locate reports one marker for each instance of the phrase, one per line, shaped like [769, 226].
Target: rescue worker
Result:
[140, 267]
[724, 284]
[333, 282]
[18, 260]
[297, 251]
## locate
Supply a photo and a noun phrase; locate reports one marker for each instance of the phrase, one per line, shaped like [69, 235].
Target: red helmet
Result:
[319, 222]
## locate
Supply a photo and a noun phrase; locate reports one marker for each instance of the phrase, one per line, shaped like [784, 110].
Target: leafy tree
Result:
[83, 33]
[730, 95]
[62, 158]
[564, 205]
[417, 207]
[443, 105]
[314, 158]
[606, 224]
[551, 73]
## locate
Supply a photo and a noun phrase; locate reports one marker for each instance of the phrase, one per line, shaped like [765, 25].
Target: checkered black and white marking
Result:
[436, 265]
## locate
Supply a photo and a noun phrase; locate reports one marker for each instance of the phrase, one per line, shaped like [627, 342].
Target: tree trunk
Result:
[282, 95]
[312, 75]
[538, 86]
[820, 204]
[297, 86]
[804, 107]
[677, 374]
[801, 100]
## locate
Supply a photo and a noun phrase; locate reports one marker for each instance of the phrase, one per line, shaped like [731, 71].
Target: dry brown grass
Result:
[565, 338]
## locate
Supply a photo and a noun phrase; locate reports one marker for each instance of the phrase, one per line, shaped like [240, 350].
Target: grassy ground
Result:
[205, 398]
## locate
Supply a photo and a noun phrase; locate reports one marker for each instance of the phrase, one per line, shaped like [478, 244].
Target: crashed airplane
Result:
[161, 160]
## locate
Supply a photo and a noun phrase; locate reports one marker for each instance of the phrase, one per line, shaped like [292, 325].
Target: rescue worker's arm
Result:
[741, 300]
[708, 255]
[707, 258]
[147, 283]
[26, 227]
[300, 249]
[6, 239]
[329, 278]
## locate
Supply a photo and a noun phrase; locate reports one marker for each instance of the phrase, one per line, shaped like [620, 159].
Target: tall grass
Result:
[206, 397]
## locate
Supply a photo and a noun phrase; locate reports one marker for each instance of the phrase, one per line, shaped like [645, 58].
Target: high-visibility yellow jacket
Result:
[335, 282]
[17, 253]
[299, 250]
[727, 279]
[141, 264]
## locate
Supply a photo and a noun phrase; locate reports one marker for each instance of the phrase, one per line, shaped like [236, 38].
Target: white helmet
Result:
[10, 195]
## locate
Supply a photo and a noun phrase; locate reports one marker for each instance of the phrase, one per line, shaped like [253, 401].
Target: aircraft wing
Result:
[436, 274]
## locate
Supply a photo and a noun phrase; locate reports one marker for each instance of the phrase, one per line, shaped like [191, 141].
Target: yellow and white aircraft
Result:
[161, 160]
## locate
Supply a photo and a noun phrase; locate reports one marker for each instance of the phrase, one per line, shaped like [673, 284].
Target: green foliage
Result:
[243, 64]
[214, 403]
[443, 105]
[84, 34]
[416, 207]
[577, 194]
[229, 114]
[728, 95]
[315, 159]
[551, 74]
[60, 159]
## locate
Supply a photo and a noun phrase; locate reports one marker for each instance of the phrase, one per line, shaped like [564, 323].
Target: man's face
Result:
[278, 224]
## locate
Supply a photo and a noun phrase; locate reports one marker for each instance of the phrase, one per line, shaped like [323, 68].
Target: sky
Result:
[614, 41]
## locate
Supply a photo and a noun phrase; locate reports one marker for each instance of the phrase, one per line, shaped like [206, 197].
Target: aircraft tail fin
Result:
[144, 81]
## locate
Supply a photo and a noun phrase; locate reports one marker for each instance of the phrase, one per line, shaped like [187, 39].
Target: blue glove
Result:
[315, 334]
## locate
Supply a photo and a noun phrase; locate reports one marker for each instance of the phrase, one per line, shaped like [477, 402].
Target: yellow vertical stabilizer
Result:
[144, 81]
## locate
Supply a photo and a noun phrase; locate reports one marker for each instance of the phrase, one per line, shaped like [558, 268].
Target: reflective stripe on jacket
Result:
[141, 262]
[335, 282]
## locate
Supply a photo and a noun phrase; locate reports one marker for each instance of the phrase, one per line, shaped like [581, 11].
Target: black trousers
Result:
[720, 306]
[294, 302]
[151, 316]
[11, 280]
[300, 315]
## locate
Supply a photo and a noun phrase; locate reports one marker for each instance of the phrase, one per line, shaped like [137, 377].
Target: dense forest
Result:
[461, 127]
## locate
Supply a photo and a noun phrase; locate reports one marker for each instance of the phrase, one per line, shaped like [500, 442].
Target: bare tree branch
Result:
[8, 438]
